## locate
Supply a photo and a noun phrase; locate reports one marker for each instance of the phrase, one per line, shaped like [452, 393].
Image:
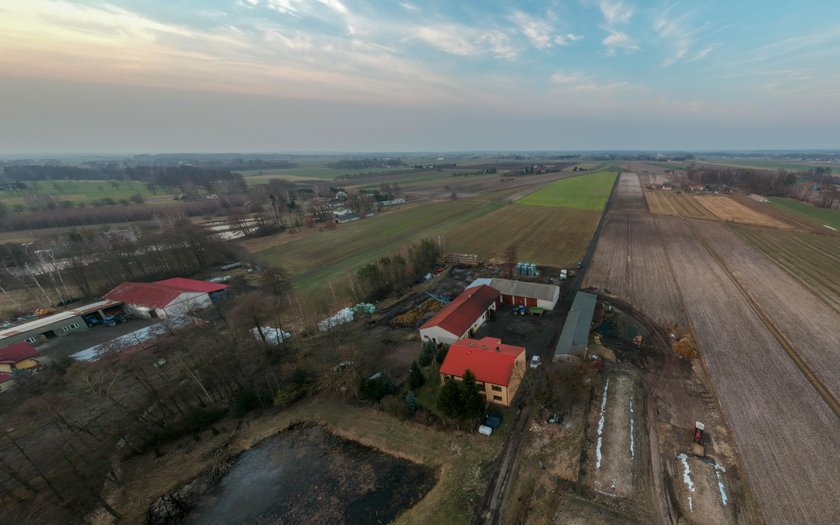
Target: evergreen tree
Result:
[472, 401]
[449, 400]
[411, 401]
[415, 377]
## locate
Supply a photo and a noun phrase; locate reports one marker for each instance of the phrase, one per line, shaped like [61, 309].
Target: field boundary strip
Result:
[821, 389]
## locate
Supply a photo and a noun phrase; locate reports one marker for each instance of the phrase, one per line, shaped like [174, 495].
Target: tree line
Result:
[395, 273]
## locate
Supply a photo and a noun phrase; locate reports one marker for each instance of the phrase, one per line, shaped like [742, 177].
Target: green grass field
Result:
[585, 192]
[321, 257]
[808, 211]
[544, 235]
[77, 191]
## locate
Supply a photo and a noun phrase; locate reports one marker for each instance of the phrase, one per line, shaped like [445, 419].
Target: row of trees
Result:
[395, 273]
[92, 262]
[755, 181]
[366, 163]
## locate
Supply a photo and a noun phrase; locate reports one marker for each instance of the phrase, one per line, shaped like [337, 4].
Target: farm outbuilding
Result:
[168, 298]
[498, 368]
[40, 330]
[523, 292]
[462, 317]
[574, 340]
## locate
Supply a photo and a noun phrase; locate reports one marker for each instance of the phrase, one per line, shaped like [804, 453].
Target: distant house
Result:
[498, 368]
[462, 317]
[343, 216]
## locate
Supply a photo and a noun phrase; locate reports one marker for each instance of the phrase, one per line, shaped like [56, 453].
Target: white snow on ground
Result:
[687, 477]
[343, 316]
[273, 336]
[598, 456]
[632, 445]
[130, 339]
[723, 497]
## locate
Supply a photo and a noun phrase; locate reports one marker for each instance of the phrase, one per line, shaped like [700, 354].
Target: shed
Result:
[462, 317]
[523, 292]
[574, 340]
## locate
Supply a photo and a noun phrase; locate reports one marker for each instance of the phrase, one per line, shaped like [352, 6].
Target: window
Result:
[496, 388]
[65, 329]
[497, 398]
[74, 325]
[31, 340]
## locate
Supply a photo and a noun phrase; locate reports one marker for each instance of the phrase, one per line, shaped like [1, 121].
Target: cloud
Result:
[619, 40]
[567, 78]
[616, 12]
[537, 30]
[410, 7]
[571, 37]
[465, 41]
[703, 53]
[577, 82]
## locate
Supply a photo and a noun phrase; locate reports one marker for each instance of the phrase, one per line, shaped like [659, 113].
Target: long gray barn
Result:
[574, 340]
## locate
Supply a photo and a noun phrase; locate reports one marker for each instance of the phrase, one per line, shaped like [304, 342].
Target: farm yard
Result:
[586, 192]
[546, 236]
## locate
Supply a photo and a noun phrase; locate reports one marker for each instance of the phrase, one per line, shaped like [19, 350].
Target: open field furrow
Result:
[629, 194]
[785, 432]
[729, 210]
[808, 324]
[808, 258]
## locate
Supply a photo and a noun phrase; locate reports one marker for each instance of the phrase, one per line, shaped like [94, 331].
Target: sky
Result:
[373, 75]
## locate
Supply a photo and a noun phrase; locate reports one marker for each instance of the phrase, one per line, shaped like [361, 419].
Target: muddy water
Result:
[307, 475]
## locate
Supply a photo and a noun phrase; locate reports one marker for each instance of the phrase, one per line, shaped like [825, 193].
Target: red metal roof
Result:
[150, 295]
[17, 353]
[191, 285]
[461, 313]
[488, 359]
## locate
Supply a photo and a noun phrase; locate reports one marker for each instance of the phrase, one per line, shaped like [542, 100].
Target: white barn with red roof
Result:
[462, 317]
[498, 368]
[167, 298]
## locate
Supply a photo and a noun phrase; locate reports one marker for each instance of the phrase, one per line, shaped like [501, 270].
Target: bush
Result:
[243, 402]
[441, 353]
[427, 354]
[377, 387]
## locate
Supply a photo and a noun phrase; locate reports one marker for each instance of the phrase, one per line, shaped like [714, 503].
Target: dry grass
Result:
[676, 203]
[729, 210]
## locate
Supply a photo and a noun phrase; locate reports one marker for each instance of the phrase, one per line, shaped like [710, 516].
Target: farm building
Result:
[574, 340]
[43, 329]
[498, 368]
[215, 291]
[462, 317]
[170, 297]
[19, 356]
[523, 292]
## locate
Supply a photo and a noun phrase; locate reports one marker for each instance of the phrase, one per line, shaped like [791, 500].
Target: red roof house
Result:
[498, 368]
[191, 285]
[462, 317]
[14, 354]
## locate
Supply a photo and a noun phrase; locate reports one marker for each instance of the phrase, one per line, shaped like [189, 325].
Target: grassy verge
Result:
[807, 211]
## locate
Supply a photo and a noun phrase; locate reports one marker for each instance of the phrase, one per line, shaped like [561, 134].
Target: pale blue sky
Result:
[355, 75]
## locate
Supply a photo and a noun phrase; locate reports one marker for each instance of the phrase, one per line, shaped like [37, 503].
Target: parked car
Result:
[519, 310]
[493, 421]
[536, 361]
[484, 430]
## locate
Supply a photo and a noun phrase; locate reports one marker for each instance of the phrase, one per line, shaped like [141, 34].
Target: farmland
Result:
[729, 210]
[586, 192]
[721, 283]
[546, 236]
[808, 211]
[674, 203]
[320, 257]
[811, 259]
[82, 191]
[768, 164]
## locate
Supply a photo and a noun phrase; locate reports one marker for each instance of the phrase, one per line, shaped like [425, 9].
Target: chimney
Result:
[498, 349]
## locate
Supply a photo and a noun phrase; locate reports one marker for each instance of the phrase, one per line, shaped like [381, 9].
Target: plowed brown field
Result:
[813, 260]
[628, 194]
[727, 209]
[785, 432]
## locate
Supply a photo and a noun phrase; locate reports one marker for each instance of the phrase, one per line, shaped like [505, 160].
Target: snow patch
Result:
[686, 472]
[723, 497]
[273, 336]
[598, 455]
[134, 339]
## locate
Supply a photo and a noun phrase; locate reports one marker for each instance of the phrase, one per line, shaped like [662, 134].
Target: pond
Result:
[308, 475]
